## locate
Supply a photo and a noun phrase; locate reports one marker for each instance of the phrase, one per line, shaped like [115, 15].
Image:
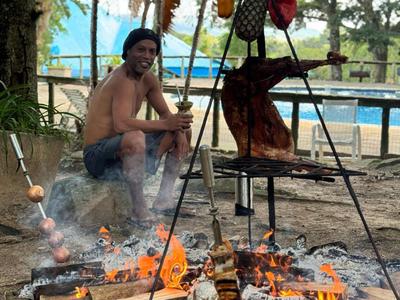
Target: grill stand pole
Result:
[271, 209]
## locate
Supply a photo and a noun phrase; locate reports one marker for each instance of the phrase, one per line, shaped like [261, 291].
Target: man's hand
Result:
[177, 122]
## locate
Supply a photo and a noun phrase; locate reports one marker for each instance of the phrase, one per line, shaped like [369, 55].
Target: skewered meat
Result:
[270, 137]
[46, 226]
[35, 193]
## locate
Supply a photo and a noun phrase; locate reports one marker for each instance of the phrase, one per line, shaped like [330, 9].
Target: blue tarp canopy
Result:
[111, 33]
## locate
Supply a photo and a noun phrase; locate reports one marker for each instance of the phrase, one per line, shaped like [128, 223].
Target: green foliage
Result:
[18, 114]
[208, 44]
[59, 12]
[115, 60]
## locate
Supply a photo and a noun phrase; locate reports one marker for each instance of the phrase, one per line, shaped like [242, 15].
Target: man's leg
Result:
[173, 162]
[133, 155]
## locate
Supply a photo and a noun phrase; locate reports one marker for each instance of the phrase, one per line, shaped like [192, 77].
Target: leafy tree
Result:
[49, 24]
[375, 23]
[329, 11]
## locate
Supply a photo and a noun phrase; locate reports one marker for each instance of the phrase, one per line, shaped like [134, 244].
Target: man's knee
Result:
[133, 142]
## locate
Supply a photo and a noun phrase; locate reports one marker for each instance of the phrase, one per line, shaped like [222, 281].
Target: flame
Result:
[337, 288]
[81, 292]
[174, 266]
[268, 234]
[104, 233]
[273, 268]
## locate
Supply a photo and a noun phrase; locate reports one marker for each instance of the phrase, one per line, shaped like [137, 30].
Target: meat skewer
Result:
[270, 137]
[35, 194]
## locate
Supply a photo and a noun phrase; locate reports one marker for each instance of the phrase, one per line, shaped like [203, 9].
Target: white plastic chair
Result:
[340, 117]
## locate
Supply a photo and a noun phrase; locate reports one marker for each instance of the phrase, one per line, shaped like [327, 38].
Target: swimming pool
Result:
[366, 115]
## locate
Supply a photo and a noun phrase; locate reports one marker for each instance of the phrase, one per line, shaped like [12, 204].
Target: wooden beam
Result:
[164, 294]
[121, 290]
[373, 293]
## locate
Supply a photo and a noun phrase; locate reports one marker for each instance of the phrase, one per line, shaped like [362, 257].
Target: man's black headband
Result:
[138, 35]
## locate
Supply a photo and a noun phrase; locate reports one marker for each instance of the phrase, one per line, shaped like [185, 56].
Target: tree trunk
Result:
[145, 11]
[194, 49]
[158, 28]
[18, 50]
[334, 37]
[45, 7]
[93, 47]
[380, 53]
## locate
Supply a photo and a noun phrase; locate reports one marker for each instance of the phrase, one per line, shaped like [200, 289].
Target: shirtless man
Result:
[114, 138]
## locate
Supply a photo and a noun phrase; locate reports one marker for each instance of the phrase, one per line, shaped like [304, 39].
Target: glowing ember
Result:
[81, 292]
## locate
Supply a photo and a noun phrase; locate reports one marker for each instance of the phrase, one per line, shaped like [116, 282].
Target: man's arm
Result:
[124, 108]
[155, 97]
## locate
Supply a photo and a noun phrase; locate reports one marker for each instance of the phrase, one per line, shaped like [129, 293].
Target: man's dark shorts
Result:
[102, 161]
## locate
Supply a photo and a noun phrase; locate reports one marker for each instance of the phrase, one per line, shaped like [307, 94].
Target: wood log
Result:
[63, 297]
[373, 293]
[122, 290]
[164, 294]
[312, 288]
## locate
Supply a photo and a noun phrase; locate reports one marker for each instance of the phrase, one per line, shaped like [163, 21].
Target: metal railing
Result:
[386, 104]
[355, 67]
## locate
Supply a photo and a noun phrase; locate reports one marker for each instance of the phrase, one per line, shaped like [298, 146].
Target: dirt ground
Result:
[322, 211]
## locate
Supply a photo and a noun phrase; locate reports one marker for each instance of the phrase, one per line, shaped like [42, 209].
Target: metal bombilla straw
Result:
[20, 158]
[179, 95]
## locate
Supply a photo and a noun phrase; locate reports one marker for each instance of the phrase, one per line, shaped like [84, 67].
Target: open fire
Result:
[262, 273]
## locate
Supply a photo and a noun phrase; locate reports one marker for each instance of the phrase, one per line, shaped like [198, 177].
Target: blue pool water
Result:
[366, 115]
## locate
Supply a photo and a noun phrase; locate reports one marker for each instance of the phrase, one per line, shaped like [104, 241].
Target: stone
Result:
[86, 200]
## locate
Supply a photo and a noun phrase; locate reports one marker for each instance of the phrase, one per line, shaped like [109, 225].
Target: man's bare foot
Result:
[142, 224]
[142, 214]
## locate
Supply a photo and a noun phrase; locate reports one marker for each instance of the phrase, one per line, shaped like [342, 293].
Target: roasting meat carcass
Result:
[270, 137]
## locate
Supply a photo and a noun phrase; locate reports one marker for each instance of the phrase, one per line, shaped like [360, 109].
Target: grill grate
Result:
[263, 167]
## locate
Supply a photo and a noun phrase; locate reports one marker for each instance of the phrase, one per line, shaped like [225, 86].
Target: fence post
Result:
[215, 123]
[80, 66]
[51, 102]
[394, 72]
[295, 123]
[210, 75]
[385, 131]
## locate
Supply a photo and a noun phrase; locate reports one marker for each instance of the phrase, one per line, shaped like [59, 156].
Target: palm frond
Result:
[134, 6]
[168, 13]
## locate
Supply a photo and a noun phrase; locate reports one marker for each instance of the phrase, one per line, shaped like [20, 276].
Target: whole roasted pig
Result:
[270, 137]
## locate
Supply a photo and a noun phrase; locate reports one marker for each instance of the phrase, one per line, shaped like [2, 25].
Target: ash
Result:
[355, 271]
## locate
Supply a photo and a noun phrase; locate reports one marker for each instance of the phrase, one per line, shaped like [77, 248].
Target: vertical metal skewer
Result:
[221, 253]
[208, 179]
[20, 158]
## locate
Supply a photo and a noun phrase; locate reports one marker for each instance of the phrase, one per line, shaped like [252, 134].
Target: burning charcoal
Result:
[132, 241]
[253, 293]
[202, 241]
[301, 242]
[334, 245]
[151, 251]
[196, 256]
[101, 242]
[192, 240]
[204, 290]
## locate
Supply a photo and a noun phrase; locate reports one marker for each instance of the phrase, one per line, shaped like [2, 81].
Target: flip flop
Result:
[183, 212]
[142, 224]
